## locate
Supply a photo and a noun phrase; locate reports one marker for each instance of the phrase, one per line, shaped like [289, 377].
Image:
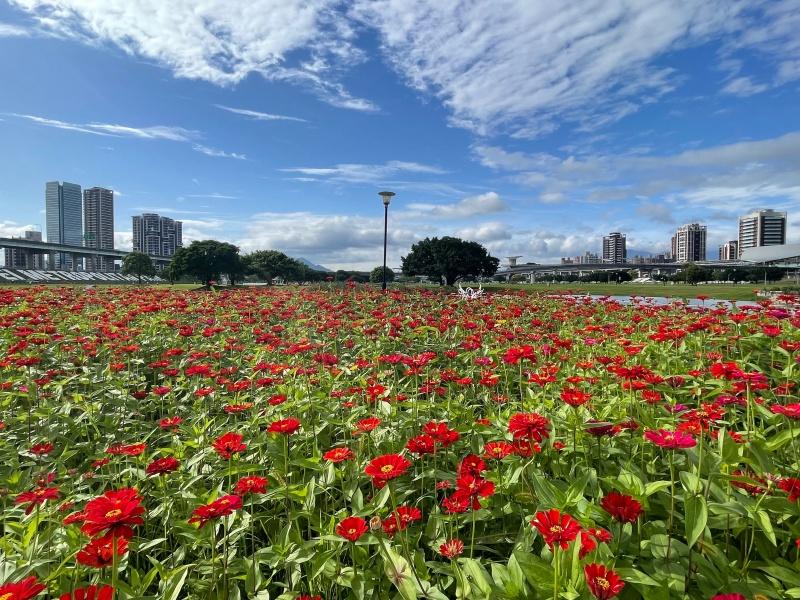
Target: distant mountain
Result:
[311, 265]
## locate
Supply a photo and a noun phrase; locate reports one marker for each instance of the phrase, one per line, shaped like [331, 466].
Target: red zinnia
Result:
[91, 592]
[386, 467]
[21, 590]
[729, 597]
[422, 444]
[531, 426]
[285, 426]
[451, 549]
[621, 507]
[671, 440]
[221, 507]
[575, 397]
[114, 512]
[99, 552]
[229, 444]
[368, 424]
[603, 583]
[556, 528]
[337, 455]
[160, 466]
[352, 528]
[791, 486]
[252, 484]
[38, 496]
[401, 519]
[170, 422]
[127, 449]
[497, 450]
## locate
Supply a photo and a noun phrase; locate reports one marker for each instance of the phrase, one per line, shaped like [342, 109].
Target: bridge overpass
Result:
[76, 252]
[533, 270]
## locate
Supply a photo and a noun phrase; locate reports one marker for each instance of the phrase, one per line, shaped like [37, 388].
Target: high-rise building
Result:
[64, 220]
[156, 235]
[762, 228]
[689, 243]
[98, 226]
[20, 258]
[729, 250]
[614, 249]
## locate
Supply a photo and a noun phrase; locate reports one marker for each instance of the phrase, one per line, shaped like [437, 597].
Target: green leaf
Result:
[399, 573]
[761, 518]
[696, 518]
[635, 576]
[174, 583]
[478, 576]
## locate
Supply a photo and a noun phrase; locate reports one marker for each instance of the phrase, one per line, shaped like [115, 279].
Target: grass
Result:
[742, 291]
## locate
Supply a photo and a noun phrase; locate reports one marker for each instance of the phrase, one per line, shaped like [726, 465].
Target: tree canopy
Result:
[268, 264]
[139, 264]
[449, 258]
[376, 275]
[207, 261]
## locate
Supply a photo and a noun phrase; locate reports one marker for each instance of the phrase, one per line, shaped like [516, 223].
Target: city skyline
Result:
[282, 136]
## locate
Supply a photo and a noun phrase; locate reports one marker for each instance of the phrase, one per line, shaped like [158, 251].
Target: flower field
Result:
[343, 443]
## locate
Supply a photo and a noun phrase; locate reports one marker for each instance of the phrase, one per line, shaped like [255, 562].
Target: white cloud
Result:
[260, 116]
[221, 41]
[656, 211]
[123, 240]
[486, 232]
[157, 132]
[217, 153]
[9, 30]
[359, 172]
[14, 229]
[482, 204]
[744, 86]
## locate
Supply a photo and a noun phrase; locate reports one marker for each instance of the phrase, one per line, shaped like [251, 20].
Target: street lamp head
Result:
[387, 196]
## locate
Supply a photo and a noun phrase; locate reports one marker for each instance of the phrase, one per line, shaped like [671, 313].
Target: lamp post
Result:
[387, 197]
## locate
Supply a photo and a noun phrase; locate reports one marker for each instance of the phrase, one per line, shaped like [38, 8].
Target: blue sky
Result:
[532, 127]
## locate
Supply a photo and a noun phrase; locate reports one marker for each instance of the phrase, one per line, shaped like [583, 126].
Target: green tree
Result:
[268, 264]
[139, 264]
[449, 258]
[693, 274]
[207, 260]
[376, 275]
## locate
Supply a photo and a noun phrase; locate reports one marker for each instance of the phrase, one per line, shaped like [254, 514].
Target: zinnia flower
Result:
[556, 528]
[603, 583]
[252, 484]
[530, 426]
[352, 528]
[285, 426]
[21, 590]
[114, 512]
[91, 592]
[791, 486]
[160, 466]
[229, 444]
[575, 397]
[221, 507]
[671, 440]
[337, 455]
[621, 507]
[451, 549]
[497, 450]
[99, 552]
[36, 497]
[386, 467]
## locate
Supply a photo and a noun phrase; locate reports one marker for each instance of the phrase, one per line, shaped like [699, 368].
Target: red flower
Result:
[38, 496]
[401, 519]
[368, 424]
[160, 466]
[221, 507]
[729, 597]
[42, 448]
[451, 549]
[337, 455]
[352, 528]
[229, 444]
[114, 512]
[21, 590]
[170, 422]
[251, 485]
[575, 397]
[497, 450]
[532, 426]
[127, 449]
[91, 592]
[99, 552]
[603, 583]
[474, 487]
[556, 528]
[671, 440]
[422, 444]
[285, 426]
[621, 507]
[456, 503]
[386, 467]
[791, 486]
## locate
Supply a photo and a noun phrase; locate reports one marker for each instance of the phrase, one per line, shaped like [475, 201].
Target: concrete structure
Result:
[689, 243]
[98, 226]
[63, 211]
[729, 250]
[762, 228]
[156, 235]
[783, 255]
[75, 253]
[19, 258]
[614, 248]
